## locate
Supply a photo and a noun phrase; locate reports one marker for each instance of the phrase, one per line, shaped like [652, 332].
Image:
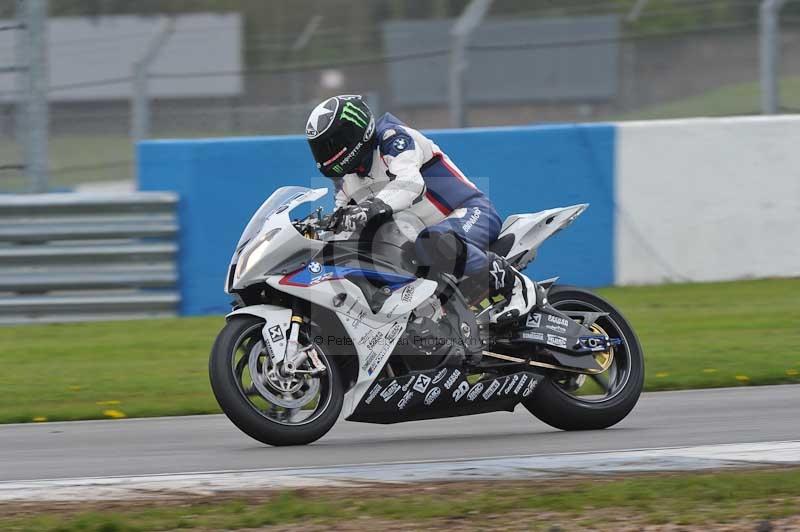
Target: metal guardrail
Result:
[83, 257]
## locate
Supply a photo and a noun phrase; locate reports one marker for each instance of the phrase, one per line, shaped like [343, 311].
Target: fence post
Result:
[32, 58]
[769, 34]
[463, 27]
[140, 100]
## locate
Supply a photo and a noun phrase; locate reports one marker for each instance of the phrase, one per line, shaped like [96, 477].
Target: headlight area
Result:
[254, 252]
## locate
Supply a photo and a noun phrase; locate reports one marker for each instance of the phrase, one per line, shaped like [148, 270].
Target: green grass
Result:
[88, 152]
[741, 99]
[715, 334]
[685, 499]
[694, 336]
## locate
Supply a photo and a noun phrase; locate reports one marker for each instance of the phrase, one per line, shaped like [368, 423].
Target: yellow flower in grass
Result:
[743, 378]
[115, 414]
[792, 372]
[39, 419]
[74, 388]
[710, 370]
[107, 403]
[662, 374]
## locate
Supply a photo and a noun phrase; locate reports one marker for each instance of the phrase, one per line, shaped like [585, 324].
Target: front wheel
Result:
[265, 406]
[572, 401]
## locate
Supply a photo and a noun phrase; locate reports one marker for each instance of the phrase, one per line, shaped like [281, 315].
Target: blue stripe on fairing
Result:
[306, 278]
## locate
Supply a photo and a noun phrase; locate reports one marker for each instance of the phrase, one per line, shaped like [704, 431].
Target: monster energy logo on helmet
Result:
[352, 113]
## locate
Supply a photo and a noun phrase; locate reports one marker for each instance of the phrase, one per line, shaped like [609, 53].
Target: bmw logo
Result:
[314, 267]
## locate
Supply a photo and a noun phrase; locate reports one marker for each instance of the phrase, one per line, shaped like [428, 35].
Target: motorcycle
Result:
[328, 325]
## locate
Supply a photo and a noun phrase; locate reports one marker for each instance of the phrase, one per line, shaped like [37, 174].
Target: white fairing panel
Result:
[270, 238]
[373, 336]
[276, 325]
[530, 230]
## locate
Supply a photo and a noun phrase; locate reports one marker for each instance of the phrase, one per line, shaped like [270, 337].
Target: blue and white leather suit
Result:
[409, 172]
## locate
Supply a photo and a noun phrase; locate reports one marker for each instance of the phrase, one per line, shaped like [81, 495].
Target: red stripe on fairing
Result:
[442, 209]
[455, 171]
[285, 279]
[326, 163]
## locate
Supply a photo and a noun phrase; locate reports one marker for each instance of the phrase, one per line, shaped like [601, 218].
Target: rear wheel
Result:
[265, 406]
[571, 401]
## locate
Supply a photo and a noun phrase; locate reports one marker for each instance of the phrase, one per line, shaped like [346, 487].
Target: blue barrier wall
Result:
[221, 182]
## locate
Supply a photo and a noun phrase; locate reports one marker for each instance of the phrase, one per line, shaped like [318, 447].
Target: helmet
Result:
[341, 133]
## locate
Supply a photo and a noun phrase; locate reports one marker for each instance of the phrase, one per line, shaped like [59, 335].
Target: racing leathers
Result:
[408, 172]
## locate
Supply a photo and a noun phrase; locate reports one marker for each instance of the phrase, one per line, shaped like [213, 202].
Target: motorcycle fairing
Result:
[441, 392]
[522, 234]
[270, 229]
[374, 335]
[276, 326]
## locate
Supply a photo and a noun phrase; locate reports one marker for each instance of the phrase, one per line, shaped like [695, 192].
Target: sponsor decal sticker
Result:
[439, 376]
[452, 379]
[373, 393]
[491, 389]
[389, 133]
[400, 143]
[314, 267]
[358, 320]
[511, 384]
[534, 320]
[393, 332]
[407, 294]
[407, 385]
[423, 381]
[389, 392]
[530, 388]
[475, 391]
[404, 400]
[557, 341]
[432, 395]
[476, 214]
[522, 382]
[557, 328]
[528, 335]
[375, 340]
[558, 321]
[459, 392]
[275, 333]
[354, 114]
[319, 278]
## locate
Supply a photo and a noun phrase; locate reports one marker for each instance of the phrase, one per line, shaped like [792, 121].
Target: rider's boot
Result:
[500, 290]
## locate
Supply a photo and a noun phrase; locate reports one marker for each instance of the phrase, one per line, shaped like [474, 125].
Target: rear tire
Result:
[243, 413]
[554, 406]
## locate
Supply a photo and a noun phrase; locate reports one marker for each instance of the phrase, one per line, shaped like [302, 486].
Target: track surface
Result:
[212, 443]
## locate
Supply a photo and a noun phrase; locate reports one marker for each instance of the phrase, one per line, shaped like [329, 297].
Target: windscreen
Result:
[279, 198]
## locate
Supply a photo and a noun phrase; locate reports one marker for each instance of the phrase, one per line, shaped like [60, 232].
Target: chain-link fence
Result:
[584, 61]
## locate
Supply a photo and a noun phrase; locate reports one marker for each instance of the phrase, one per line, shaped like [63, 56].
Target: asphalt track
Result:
[212, 443]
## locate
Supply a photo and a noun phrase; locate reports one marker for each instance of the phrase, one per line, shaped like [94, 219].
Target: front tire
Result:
[555, 405]
[249, 409]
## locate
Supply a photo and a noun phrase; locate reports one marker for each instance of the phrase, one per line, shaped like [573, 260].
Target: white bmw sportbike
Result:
[329, 324]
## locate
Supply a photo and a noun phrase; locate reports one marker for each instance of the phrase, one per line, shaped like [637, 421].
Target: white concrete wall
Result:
[707, 199]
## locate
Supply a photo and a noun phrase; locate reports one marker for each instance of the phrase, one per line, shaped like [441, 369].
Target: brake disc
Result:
[276, 389]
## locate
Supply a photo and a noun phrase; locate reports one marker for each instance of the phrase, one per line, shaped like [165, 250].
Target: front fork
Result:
[296, 355]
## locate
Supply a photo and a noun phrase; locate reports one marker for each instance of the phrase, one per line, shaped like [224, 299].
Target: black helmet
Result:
[340, 132]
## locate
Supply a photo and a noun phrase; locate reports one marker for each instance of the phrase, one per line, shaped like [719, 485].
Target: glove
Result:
[377, 209]
[353, 218]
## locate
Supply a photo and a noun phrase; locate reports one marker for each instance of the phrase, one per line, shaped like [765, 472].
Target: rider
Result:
[383, 167]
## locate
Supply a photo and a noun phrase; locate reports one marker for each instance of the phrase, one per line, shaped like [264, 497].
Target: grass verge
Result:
[694, 336]
[606, 504]
[730, 100]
